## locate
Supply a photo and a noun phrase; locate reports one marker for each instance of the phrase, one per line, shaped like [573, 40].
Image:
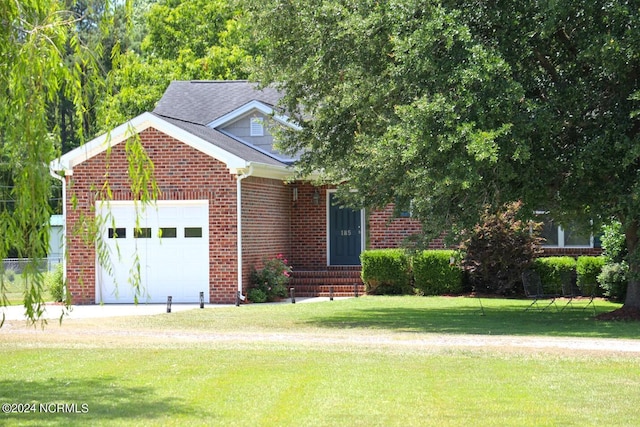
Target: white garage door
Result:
[171, 244]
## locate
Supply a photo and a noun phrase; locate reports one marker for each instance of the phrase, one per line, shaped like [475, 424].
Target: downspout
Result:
[239, 296]
[64, 222]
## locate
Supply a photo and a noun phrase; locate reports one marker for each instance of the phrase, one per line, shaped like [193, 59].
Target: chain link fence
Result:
[17, 265]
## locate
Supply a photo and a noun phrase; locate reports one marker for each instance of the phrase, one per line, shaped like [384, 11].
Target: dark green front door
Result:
[345, 235]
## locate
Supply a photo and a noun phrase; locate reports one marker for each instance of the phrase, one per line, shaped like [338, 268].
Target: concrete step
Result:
[340, 283]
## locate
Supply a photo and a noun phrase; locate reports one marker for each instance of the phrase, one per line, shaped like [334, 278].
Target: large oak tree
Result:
[456, 105]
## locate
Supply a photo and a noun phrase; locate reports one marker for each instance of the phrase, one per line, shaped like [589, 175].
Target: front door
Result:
[345, 234]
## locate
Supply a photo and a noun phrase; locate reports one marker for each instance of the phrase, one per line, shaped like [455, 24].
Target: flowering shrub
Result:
[270, 282]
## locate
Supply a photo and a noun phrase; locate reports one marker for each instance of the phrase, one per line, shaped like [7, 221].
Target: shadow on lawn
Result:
[505, 319]
[85, 399]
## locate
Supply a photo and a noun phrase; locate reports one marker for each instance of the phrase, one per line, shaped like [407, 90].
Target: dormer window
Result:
[257, 126]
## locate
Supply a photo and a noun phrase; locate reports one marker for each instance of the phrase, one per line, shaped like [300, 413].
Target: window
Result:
[559, 237]
[257, 126]
[141, 233]
[549, 232]
[403, 209]
[168, 232]
[117, 233]
[192, 232]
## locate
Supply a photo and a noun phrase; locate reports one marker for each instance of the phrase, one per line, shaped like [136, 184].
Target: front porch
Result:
[345, 281]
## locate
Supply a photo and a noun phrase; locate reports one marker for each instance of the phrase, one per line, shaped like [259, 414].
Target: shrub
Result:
[551, 271]
[434, 274]
[614, 245]
[257, 295]
[499, 249]
[55, 283]
[613, 280]
[10, 275]
[386, 271]
[271, 279]
[588, 268]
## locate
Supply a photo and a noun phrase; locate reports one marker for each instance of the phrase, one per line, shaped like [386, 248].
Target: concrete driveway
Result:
[53, 311]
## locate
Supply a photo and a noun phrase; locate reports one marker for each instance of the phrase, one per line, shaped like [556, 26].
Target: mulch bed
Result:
[623, 313]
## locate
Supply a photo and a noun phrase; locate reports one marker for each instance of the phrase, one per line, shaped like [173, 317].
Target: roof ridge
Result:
[216, 81]
[164, 116]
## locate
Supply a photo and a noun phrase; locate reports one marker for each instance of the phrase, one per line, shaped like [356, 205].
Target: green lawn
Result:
[459, 315]
[186, 368]
[14, 288]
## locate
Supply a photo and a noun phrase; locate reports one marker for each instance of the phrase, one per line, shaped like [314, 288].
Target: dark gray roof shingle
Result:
[192, 105]
[205, 101]
[225, 142]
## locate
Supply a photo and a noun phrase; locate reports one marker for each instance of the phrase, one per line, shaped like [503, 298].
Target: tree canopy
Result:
[457, 105]
[182, 40]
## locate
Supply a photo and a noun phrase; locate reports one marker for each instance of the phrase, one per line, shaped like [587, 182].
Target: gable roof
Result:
[186, 111]
[202, 102]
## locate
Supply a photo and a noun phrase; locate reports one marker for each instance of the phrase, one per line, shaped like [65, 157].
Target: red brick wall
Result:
[266, 219]
[385, 230]
[309, 225]
[182, 173]
[572, 252]
[309, 228]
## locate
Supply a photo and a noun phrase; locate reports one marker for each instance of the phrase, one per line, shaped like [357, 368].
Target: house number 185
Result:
[345, 232]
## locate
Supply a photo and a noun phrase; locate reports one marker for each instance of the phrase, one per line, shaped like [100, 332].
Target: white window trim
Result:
[561, 239]
[256, 126]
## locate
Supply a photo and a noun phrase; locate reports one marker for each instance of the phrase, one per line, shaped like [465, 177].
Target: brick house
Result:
[226, 203]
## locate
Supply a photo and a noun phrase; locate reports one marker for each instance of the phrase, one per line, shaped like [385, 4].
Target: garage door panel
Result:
[175, 266]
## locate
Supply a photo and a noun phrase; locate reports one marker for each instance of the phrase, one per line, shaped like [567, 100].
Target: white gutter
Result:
[64, 221]
[239, 179]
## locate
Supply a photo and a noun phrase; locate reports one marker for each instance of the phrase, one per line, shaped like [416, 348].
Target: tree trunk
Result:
[632, 299]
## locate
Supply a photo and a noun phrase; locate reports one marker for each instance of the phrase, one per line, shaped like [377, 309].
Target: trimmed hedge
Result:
[391, 271]
[588, 269]
[434, 275]
[386, 271]
[551, 269]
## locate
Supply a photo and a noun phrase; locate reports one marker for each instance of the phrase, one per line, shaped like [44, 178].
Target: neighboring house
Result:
[56, 240]
[228, 201]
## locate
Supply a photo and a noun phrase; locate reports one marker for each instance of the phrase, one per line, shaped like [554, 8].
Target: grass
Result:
[409, 314]
[14, 288]
[171, 369]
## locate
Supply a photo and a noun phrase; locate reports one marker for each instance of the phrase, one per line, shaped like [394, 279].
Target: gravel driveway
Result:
[14, 327]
